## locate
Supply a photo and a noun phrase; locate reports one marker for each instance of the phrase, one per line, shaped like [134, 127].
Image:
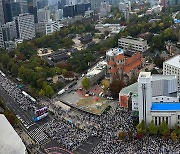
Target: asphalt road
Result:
[87, 146]
[14, 107]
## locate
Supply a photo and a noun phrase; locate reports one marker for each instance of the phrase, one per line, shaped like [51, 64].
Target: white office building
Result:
[43, 15]
[158, 99]
[25, 26]
[172, 67]
[52, 26]
[47, 28]
[133, 44]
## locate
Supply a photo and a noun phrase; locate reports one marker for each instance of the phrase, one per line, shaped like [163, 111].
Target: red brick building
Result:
[122, 66]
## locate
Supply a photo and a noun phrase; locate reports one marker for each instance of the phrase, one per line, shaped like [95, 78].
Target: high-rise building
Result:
[95, 4]
[8, 10]
[104, 9]
[25, 26]
[69, 11]
[32, 9]
[43, 15]
[79, 9]
[2, 21]
[1, 38]
[61, 4]
[9, 31]
[42, 3]
[23, 6]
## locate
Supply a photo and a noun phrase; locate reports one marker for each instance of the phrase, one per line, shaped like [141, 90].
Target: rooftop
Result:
[10, 142]
[114, 51]
[174, 61]
[156, 77]
[97, 69]
[167, 106]
[131, 88]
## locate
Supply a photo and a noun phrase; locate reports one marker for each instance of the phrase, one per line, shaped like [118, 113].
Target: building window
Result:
[155, 120]
[167, 120]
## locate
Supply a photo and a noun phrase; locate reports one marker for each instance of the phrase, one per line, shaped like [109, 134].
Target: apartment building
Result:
[25, 26]
[134, 44]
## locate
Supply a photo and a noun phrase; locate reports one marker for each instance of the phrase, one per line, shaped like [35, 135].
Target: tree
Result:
[173, 136]
[41, 93]
[159, 61]
[86, 83]
[121, 135]
[152, 128]
[14, 70]
[26, 48]
[105, 84]
[163, 128]
[48, 91]
[115, 87]
[141, 127]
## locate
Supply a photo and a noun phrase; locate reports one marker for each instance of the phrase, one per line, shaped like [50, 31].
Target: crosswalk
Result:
[38, 135]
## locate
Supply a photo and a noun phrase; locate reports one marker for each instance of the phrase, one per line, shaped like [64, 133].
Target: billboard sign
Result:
[41, 113]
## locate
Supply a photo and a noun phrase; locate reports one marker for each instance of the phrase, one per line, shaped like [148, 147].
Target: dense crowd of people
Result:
[106, 127]
[24, 102]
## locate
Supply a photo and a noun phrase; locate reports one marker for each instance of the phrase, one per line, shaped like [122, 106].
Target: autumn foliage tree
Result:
[115, 87]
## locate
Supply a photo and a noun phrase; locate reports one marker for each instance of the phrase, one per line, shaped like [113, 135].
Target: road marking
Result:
[89, 142]
[82, 149]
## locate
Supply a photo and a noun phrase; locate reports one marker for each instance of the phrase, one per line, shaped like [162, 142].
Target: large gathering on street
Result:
[105, 127]
[89, 76]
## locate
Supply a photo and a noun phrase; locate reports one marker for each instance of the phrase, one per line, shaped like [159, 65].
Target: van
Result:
[61, 92]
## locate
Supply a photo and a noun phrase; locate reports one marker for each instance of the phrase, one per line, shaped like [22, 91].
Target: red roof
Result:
[119, 65]
[111, 62]
[113, 70]
[133, 58]
[128, 68]
[119, 57]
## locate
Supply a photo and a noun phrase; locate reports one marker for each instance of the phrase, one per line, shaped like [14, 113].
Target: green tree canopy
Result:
[163, 128]
[152, 128]
[141, 127]
[86, 83]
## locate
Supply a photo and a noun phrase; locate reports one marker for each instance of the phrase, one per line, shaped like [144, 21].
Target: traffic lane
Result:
[13, 106]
